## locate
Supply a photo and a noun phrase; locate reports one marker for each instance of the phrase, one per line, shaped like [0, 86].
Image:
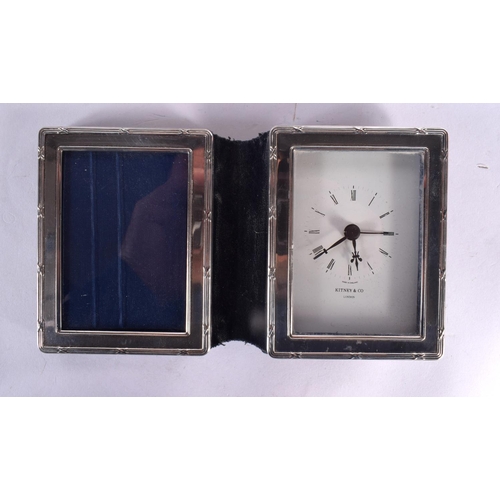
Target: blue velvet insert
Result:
[124, 240]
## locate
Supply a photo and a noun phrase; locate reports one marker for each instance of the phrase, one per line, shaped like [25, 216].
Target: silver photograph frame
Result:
[428, 343]
[198, 145]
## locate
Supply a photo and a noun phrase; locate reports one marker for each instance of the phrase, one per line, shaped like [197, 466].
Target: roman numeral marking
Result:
[330, 265]
[332, 196]
[349, 270]
[318, 212]
[318, 250]
[314, 231]
[383, 252]
[371, 268]
[353, 194]
[386, 214]
[372, 199]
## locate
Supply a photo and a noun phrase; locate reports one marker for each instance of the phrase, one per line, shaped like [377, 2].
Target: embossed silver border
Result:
[199, 145]
[429, 343]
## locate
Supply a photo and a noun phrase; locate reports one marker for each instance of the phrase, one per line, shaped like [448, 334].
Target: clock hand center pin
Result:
[352, 232]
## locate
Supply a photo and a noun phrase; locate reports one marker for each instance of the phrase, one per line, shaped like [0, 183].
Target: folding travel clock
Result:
[357, 242]
[306, 241]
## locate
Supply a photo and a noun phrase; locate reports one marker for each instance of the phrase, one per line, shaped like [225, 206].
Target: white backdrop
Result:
[472, 324]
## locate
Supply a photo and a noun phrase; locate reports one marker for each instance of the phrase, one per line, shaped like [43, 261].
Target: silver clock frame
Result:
[198, 145]
[428, 344]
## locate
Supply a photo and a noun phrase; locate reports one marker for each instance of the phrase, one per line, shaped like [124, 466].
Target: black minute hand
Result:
[329, 248]
[385, 233]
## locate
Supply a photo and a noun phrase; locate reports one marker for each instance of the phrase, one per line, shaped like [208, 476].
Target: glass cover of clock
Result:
[355, 226]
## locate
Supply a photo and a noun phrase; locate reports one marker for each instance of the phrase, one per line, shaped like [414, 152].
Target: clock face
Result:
[356, 228]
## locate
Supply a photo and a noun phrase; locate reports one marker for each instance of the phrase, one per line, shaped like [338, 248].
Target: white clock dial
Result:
[355, 254]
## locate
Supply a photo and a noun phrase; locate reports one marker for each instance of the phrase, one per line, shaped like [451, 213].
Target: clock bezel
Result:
[428, 343]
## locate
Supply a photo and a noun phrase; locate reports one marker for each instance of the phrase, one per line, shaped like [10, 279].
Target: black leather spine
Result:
[239, 259]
